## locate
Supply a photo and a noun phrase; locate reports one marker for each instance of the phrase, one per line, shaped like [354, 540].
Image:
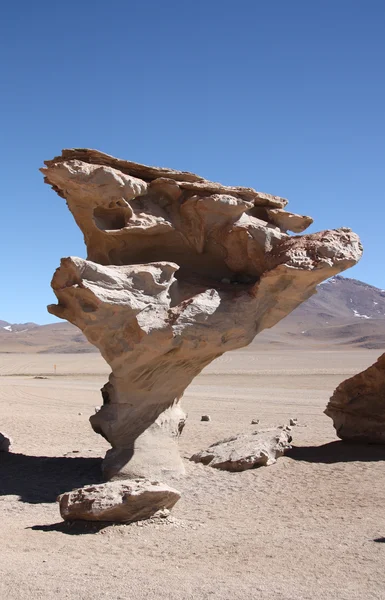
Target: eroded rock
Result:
[246, 451]
[179, 271]
[357, 406]
[117, 501]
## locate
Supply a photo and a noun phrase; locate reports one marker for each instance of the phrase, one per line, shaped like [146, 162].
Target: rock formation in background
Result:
[357, 406]
[179, 270]
[246, 451]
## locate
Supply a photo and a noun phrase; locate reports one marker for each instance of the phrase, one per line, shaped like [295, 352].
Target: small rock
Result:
[118, 501]
[255, 421]
[96, 409]
[80, 414]
[40, 377]
[5, 443]
[205, 418]
[246, 451]
[163, 513]
[293, 422]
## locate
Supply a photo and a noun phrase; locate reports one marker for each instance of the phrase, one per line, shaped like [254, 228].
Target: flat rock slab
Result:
[5, 443]
[246, 451]
[117, 501]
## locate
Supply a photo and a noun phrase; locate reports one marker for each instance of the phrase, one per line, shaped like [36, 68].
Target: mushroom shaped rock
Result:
[357, 406]
[179, 270]
[117, 501]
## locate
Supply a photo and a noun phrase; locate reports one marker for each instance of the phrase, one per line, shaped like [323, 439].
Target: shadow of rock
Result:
[336, 452]
[37, 479]
[74, 527]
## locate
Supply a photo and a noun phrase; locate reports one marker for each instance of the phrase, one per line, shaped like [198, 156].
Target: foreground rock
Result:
[117, 501]
[246, 451]
[5, 443]
[357, 406]
[179, 270]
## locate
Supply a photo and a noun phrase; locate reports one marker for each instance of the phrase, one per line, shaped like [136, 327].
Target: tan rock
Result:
[179, 271]
[287, 221]
[246, 451]
[120, 502]
[357, 406]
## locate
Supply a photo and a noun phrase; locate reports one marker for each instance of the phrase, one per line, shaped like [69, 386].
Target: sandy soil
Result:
[310, 527]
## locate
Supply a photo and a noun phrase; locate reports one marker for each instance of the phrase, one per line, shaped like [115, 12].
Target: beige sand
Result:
[305, 528]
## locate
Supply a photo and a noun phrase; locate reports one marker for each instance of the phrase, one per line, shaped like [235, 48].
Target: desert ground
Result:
[311, 526]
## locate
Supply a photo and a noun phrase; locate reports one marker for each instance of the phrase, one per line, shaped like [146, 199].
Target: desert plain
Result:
[311, 526]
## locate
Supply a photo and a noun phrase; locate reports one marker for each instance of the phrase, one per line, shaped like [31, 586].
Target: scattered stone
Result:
[357, 406]
[80, 414]
[205, 418]
[96, 409]
[146, 228]
[118, 501]
[5, 443]
[293, 422]
[40, 377]
[246, 451]
[255, 421]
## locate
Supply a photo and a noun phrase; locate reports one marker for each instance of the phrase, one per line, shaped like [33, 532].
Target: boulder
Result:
[5, 443]
[357, 406]
[179, 270]
[246, 451]
[117, 501]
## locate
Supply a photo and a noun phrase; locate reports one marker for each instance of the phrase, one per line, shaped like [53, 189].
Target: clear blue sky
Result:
[284, 96]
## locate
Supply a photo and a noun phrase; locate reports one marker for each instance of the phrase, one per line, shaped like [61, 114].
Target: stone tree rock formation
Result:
[179, 270]
[357, 406]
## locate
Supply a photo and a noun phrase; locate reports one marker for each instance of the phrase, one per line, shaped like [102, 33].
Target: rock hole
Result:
[110, 218]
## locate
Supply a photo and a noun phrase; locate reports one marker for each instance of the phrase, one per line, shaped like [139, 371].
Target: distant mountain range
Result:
[59, 337]
[344, 312]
